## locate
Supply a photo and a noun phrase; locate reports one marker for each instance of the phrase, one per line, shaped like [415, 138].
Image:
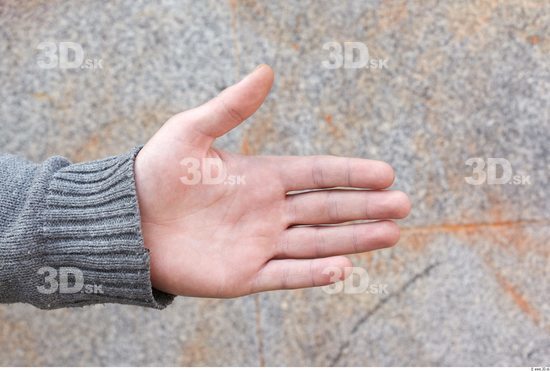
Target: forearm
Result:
[79, 221]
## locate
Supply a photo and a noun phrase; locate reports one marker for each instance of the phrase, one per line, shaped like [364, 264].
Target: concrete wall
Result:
[469, 283]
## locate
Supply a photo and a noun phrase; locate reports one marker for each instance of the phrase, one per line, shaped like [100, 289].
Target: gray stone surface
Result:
[469, 283]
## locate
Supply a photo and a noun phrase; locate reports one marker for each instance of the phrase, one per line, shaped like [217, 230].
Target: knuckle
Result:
[317, 173]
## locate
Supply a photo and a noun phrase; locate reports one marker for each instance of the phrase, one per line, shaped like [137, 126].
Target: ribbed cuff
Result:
[92, 235]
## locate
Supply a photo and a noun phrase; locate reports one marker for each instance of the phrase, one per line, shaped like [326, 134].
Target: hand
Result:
[227, 240]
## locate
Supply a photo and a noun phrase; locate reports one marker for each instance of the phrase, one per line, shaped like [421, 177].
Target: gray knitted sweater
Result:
[70, 234]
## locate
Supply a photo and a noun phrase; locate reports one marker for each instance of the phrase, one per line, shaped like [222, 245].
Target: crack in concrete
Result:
[345, 345]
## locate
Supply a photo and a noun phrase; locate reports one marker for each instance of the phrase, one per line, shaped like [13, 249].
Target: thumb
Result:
[233, 105]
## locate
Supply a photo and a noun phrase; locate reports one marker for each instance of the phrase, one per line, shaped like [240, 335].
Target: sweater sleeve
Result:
[70, 234]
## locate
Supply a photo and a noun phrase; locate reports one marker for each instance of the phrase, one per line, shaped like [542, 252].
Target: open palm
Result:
[227, 226]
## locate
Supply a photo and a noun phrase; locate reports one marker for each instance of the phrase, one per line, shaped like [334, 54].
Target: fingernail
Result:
[255, 69]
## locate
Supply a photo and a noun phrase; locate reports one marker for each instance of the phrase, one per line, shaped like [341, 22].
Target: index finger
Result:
[316, 172]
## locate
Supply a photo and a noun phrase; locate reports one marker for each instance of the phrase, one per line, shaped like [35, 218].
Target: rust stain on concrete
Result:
[533, 39]
[469, 18]
[42, 96]
[509, 240]
[261, 132]
[17, 337]
[108, 137]
[259, 331]
[469, 227]
[333, 129]
[199, 350]
[391, 13]
[90, 148]
[519, 299]
[245, 146]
